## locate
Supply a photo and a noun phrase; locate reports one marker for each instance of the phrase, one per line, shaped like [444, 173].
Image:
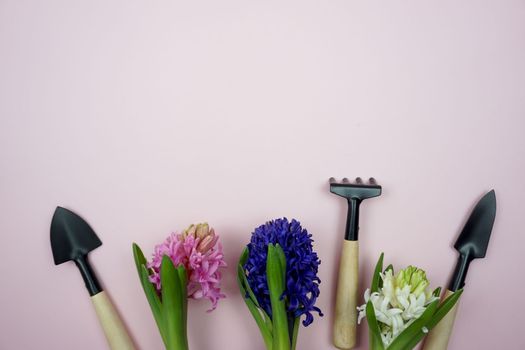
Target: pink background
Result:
[147, 116]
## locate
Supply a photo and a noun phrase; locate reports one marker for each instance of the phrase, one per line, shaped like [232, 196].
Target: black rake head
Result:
[354, 193]
[356, 190]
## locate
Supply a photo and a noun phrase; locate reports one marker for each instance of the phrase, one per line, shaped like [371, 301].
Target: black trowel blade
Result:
[474, 238]
[71, 236]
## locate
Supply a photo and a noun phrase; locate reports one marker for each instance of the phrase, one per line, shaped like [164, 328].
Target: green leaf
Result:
[282, 260]
[444, 308]
[244, 256]
[265, 331]
[439, 313]
[140, 263]
[275, 274]
[241, 276]
[414, 332]
[376, 342]
[183, 277]
[173, 306]
[154, 302]
[376, 279]
[242, 281]
[261, 318]
[139, 258]
[437, 292]
[149, 290]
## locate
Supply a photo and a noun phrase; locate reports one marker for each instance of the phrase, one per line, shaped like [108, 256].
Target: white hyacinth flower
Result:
[402, 299]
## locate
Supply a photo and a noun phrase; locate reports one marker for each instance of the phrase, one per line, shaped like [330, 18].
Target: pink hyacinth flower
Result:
[199, 250]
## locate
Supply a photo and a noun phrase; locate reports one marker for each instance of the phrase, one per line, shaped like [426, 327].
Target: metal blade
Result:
[474, 238]
[71, 236]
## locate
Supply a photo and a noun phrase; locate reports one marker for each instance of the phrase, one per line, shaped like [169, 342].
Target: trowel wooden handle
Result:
[438, 337]
[116, 334]
[345, 322]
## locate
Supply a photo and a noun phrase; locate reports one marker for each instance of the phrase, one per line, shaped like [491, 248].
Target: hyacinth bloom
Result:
[185, 265]
[399, 302]
[198, 249]
[277, 275]
[400, 309]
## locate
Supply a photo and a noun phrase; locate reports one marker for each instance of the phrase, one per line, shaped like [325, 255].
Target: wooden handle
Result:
[438, 337]
[116, 334]
[345, 322]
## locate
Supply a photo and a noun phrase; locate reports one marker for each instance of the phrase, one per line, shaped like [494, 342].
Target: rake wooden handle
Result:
[345, 322]
[439, 336]
[115, 331]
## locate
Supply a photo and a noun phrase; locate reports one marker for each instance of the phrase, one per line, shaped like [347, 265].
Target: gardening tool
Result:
[471, 244]
[72, 239]
[345, 322]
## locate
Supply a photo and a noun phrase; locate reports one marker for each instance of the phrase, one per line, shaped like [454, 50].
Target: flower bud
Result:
[401, 280]
[413, 277]
[202, 230]
[207, 242]
[420, 288]
[190, 231]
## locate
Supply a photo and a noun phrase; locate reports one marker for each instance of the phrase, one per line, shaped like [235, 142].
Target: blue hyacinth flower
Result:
[280, 250]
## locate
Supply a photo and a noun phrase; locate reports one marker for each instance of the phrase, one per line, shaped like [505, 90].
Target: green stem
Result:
[295, 332]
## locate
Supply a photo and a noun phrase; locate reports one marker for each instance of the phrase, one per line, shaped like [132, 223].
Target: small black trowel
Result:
[71, 240]
[471, 244]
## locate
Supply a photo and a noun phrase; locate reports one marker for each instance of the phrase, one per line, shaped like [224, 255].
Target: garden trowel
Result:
[471, 244]
[71, 240]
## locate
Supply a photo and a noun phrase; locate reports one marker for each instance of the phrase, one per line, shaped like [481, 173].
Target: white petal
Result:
[421, 299]
[367, 294]
[394, 311]
[361, 315]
